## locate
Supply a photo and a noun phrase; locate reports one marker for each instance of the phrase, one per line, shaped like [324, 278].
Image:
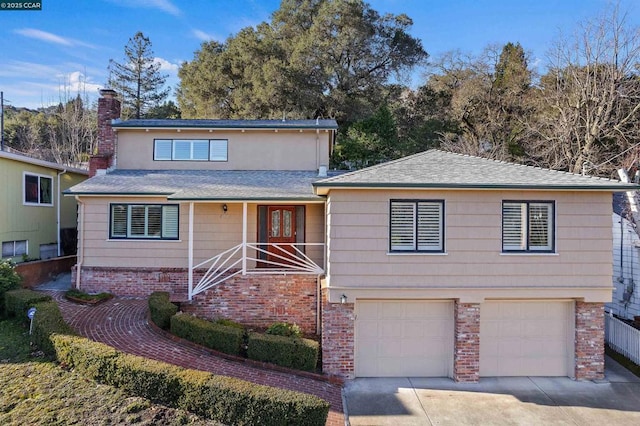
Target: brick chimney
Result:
[108, 110]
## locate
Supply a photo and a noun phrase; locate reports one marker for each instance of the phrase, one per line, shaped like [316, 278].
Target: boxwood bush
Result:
[17, 302]
[161, 309]
[46, 322]
[224, 399]
[291, 352]
[215, 336]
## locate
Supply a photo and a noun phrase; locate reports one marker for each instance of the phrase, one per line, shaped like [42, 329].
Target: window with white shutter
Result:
[416, 226]
[527, 226]
[144, 221]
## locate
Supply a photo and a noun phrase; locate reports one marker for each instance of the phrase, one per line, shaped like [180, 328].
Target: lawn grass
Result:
[37, 391]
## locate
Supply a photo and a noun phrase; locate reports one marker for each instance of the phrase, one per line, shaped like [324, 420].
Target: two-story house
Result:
[36, 222]
[436, 264]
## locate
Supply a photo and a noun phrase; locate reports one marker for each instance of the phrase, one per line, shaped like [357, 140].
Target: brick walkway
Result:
[122, 323]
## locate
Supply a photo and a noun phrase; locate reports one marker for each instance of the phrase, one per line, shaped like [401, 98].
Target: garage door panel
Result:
[525, 338]
[404, 338]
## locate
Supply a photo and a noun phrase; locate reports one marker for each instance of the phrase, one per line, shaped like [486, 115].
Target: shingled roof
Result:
[204, 184]
[444, 170]
[225, 124]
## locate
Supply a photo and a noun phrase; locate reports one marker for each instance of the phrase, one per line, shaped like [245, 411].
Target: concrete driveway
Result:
[496, 401]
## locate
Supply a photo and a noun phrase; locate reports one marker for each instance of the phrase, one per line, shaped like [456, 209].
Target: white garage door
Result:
[404, 338]
[526, 338]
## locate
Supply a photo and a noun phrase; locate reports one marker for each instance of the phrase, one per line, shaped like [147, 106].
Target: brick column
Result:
[338, 322]
[466, 357]
[589, 341]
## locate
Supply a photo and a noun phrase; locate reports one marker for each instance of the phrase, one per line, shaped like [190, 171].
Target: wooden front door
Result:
[281, 230]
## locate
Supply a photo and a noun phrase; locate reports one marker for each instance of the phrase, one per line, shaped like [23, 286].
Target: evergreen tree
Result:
[138, 80]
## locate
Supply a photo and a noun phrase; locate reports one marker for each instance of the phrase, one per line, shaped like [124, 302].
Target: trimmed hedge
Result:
[215, 336]
[18, 302]
[224, 399]
[46, 322]
[161, 309]
[291, 352]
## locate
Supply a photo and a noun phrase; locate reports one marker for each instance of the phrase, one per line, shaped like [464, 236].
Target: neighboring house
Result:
[626, 262]
[36, 222]
[436, 264]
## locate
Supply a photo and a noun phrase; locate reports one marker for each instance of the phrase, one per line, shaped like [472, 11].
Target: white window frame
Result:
[39, 177]
[14, 243]
[214, 150]
[525, 233]
[165, 231]
[416, 226]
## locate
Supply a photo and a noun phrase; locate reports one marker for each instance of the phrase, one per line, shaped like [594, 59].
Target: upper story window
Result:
[416, 226]
[528, 226]
[37, 190]
[144, 221]
[190, 149]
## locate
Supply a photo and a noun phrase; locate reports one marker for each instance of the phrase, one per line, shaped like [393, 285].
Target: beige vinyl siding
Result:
[214, 232]
[249, 150]
[359, 242]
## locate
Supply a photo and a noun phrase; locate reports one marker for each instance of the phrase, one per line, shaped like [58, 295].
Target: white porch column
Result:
[190, 250]
[244, 238]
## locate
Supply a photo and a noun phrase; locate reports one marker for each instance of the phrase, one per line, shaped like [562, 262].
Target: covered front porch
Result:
[253, 238]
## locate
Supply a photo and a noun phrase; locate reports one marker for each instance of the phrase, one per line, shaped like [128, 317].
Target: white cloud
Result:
[203, 36]
[51, 38]
[166, 65]
[76, 82]
[163, 5]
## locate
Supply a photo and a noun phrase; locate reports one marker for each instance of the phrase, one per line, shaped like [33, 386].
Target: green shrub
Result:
[224, 399]
[9, 279]
[154, 380]
[291, 352]
[233, 401]
[18, 302]
[284, 329]
[229, 323]
[94, 360]
[81, 295]
[161, 309]
[47, 322]
[215, 336]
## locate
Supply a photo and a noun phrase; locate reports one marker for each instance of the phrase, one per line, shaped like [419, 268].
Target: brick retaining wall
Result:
[40, 271]
[255, 300]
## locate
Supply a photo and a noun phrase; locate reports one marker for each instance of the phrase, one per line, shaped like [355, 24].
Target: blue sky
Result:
[68, 44]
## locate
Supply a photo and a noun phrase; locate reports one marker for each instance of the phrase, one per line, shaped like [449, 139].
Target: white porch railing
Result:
[622, 338]
[275, 258]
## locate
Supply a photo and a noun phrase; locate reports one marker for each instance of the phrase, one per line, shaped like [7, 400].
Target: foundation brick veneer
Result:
[466, 351]
[254, 300]
[589, 341]
[260, 300]
[338, 324]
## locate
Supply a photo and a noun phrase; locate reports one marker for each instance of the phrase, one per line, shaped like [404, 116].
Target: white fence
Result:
[622, 338]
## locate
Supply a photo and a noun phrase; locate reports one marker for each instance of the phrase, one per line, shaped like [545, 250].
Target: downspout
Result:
[80, 242]
[58, 212]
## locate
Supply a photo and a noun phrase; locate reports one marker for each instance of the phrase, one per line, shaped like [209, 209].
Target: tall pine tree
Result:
[138, 80]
